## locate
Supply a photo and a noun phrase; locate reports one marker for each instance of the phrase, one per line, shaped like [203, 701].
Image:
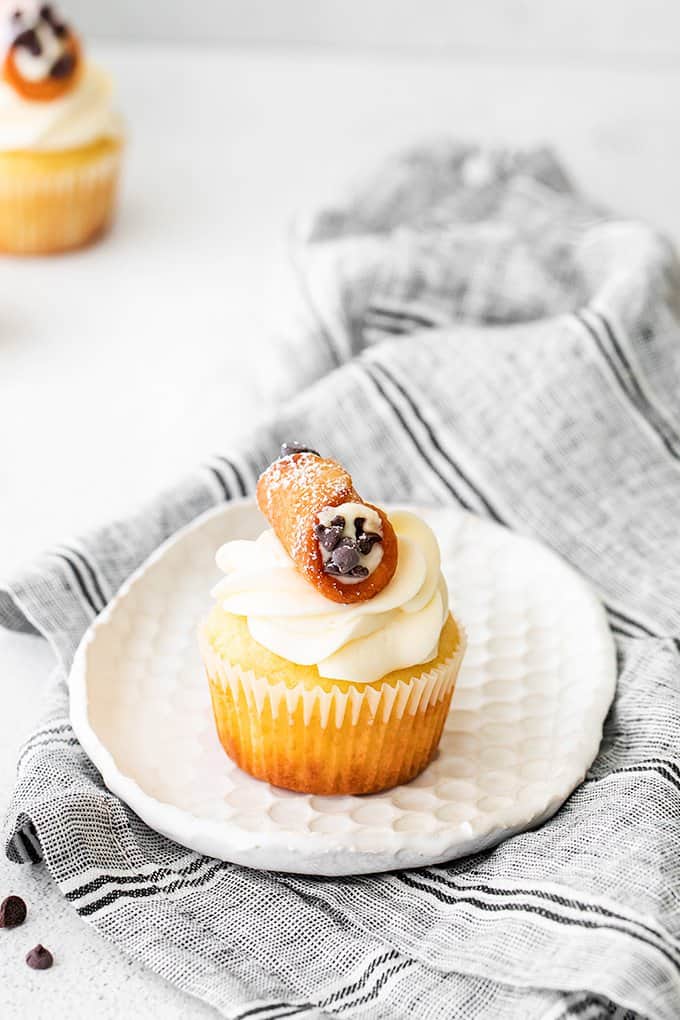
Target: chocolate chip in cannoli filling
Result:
[48, 15]
[12, 912]
[28, 40]
[366, 542]
[288, 449]
[62, 67]
[345, 556]
[365, 539]
[330, 535]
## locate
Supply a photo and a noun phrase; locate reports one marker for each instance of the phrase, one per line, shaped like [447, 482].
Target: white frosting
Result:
[362, 642]
[83, 115]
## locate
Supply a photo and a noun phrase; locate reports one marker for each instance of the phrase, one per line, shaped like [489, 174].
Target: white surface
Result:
[169, 306]
[91, 979]
[525, 722]
[530, 28]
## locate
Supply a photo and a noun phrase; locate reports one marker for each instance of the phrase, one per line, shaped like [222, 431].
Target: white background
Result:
[123, 365]
[579, 29]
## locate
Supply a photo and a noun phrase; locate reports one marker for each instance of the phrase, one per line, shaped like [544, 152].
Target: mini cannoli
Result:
[346, 548]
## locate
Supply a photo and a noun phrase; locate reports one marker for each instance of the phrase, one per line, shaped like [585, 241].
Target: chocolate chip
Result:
[39, 958]
[28, 40]
[329, 535]
[12, 912]
[365, 539]
[359, 572]
[49, 17]
[330, 538]
[366, 542]
[332, 568]
[63, 67]
[345, 557]
[288, 449]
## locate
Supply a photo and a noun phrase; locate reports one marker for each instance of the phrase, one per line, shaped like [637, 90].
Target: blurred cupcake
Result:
[331, 653]
[60, 138]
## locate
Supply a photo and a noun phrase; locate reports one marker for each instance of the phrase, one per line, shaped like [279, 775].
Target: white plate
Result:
[525, 721]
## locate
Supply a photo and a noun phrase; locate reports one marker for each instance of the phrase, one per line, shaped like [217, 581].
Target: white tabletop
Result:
[123, 365]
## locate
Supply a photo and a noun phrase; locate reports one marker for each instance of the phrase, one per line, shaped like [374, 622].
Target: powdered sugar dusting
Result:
[306, 484]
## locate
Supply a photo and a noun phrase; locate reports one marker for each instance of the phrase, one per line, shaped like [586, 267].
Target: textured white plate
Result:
[525, 721]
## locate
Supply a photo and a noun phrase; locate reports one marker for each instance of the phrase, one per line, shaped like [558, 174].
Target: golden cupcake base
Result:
[56, 201]
[283, 723]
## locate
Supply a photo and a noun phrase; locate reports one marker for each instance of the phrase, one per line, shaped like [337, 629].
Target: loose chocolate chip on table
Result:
[62, 68]
[39, 958]
[288, 449]
[12, 912]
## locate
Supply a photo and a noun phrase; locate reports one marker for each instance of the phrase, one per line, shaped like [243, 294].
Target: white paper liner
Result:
[385, 702]
[61, 180]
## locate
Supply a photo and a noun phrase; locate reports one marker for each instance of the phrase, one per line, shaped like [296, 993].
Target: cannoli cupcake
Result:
[60, 137]
[330, 652]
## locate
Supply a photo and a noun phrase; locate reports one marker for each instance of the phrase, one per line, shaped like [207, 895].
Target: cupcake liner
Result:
[332, 739]
[54, 201]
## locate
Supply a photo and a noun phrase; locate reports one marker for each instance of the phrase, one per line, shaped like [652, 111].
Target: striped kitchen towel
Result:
[482, 336]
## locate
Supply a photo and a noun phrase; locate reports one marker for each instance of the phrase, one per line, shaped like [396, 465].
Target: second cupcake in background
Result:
[60, 137]
[331, 652]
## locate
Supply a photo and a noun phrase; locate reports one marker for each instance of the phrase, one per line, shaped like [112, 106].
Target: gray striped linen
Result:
[482, 336]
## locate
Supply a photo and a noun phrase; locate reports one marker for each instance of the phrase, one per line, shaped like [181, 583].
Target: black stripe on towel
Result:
[626, 379]
[400, 386]
[238, 475]
[221, 482]
[79, 582]
[602, 923]
[91, 571]
[377, 383]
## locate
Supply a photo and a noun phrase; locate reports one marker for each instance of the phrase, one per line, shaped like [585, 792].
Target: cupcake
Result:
[330, 651]
[60, 138]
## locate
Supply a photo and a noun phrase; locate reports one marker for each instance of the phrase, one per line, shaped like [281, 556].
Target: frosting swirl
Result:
[361, 642]
[81, 116]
